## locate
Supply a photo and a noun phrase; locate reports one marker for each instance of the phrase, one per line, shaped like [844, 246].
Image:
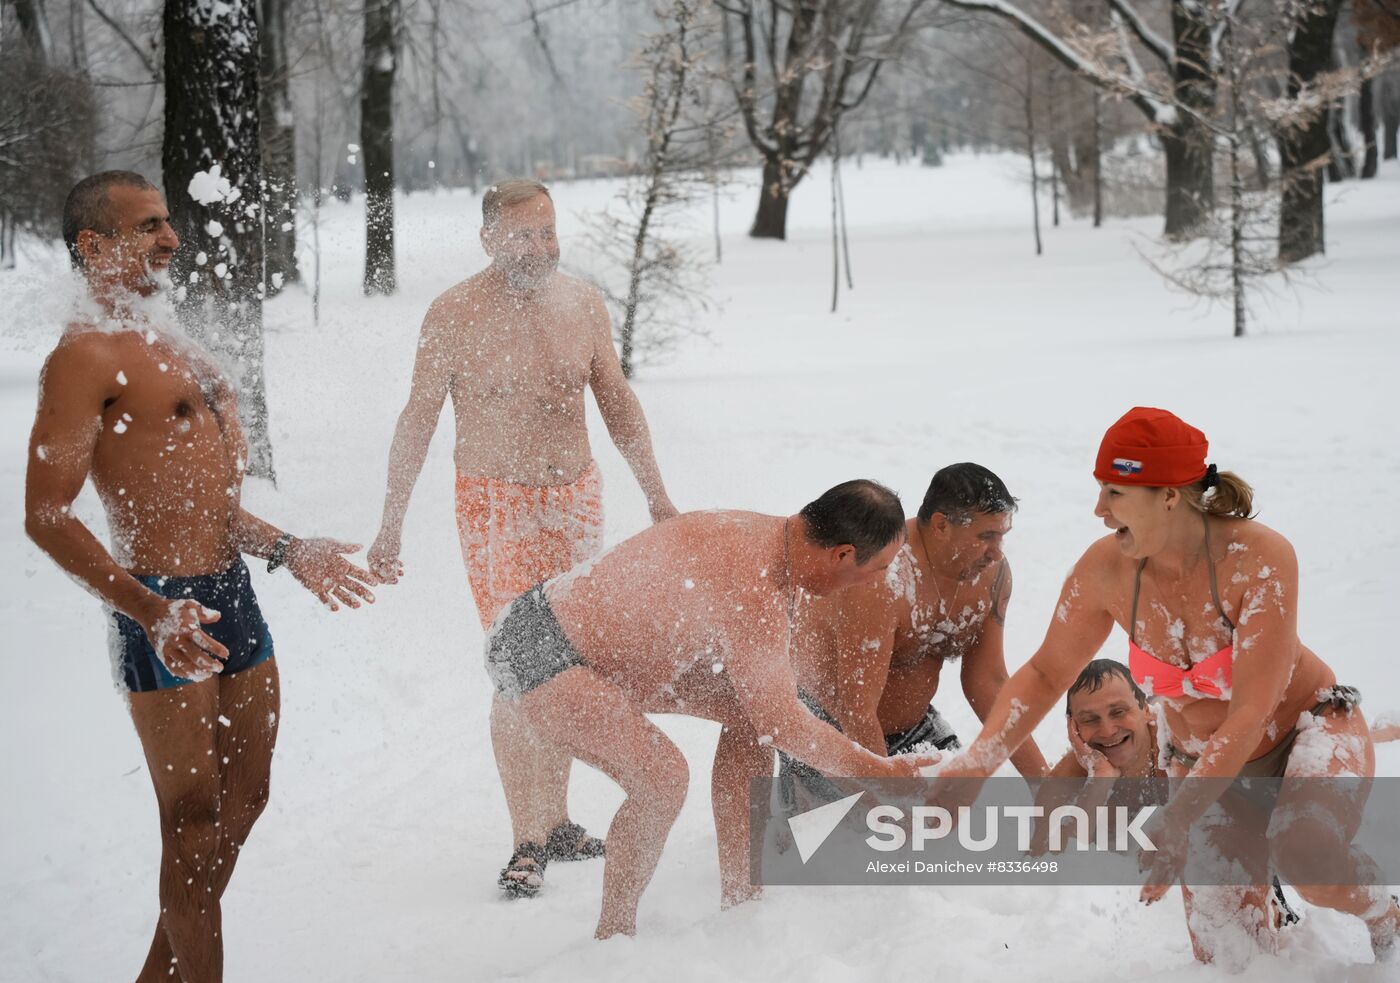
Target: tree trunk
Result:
[1368, 128]
[211, 121]
[279, 151]
[1343, 163]
[771, 220]
[1261, 159]
[1097, 159]
[7, 240]
[377, 142]
[1070, 170]
[34, 29]
[1190, 179]
[1188, 144]
[1390, 113]
[1030, 152]
[1304, 150]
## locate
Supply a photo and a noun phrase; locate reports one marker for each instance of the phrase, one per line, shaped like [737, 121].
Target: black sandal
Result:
[523, 876]
[570, 841]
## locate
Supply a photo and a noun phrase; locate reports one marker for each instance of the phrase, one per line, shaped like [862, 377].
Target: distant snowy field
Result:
[378, 855]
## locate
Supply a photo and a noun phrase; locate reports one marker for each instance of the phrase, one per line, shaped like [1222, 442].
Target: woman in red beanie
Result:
[1209, 599]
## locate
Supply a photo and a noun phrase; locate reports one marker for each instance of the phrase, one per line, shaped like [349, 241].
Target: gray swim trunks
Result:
[526, 647]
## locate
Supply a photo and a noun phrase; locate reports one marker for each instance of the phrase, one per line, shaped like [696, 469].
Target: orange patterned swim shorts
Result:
[515, 536]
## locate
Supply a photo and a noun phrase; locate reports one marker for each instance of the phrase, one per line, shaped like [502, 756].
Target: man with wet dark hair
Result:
[690, 616]
[864, 514]
[869, 660]
[146, 416]
[961, 491]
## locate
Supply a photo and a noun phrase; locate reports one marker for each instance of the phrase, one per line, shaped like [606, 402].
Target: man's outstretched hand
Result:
[320, 566]
[383, 559]
[661, 509]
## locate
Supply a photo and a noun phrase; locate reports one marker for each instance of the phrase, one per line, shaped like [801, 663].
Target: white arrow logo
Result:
[811, 828]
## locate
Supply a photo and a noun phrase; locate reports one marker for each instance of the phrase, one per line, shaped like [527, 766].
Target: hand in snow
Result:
[913, 765]
[319, 566]
[661, 509]
[957, 782]
[174, 631]
[1091, 759]
[383, 559]
[1164, 867]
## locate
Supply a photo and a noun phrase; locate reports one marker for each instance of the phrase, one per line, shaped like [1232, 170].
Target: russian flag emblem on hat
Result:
[1126, 466]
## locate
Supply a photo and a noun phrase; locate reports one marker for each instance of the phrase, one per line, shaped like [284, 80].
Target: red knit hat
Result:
[1151, 447]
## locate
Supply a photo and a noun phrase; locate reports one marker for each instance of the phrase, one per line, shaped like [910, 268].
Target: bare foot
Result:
[608, 928]
[733, 897]
[1384, 932]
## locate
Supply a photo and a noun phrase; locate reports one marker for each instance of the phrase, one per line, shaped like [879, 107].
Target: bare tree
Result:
[1303, 144]
[660, 288]
[377, 142]
[213, 185]
[1236, 244]
[1174, 106]
[47, 128]
[838, 46]
[1377, 33]
[279, 149]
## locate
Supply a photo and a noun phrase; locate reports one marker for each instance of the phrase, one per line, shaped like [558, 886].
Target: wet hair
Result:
[860, 513]
[89, 206]
[1221, 493]
[503, 194]
[961, 491]
[1096, 673]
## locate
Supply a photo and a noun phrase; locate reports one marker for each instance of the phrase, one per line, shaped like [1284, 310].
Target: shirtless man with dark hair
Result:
[133, 405]
[690, 616]
[869, 660]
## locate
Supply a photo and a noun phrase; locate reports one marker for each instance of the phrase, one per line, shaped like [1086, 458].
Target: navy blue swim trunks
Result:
[240, 629]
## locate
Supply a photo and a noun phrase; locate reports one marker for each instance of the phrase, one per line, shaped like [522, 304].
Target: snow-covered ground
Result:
[377, 857]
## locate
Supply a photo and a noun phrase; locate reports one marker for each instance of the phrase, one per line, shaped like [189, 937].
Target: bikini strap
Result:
[1214, 589]
[1137, 589]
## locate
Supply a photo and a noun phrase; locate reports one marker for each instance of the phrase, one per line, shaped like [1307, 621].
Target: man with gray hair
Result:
[516, 345]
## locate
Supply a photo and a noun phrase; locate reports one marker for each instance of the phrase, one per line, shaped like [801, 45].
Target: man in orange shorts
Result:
[516, 345]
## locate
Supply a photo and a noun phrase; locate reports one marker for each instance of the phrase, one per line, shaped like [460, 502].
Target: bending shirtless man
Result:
[692, 616]
[134, 406]
[515, 346]
[868, 660]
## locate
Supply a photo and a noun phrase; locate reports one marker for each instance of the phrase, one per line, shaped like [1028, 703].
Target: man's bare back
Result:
[578, 663]
[518, 366]
[707, 587]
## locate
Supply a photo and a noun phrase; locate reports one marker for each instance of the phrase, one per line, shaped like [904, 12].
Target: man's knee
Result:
[190, 836]
[666, 781]
[241, 808]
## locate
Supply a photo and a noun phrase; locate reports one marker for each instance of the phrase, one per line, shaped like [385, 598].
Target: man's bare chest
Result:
[521, 364]
[934, 631]
[154, 391]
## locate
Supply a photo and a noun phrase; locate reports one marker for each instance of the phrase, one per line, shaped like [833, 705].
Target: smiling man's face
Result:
[135, 250]
[1110, 720]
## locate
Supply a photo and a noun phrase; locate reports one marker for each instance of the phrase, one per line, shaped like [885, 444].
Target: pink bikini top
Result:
[1209, 678]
